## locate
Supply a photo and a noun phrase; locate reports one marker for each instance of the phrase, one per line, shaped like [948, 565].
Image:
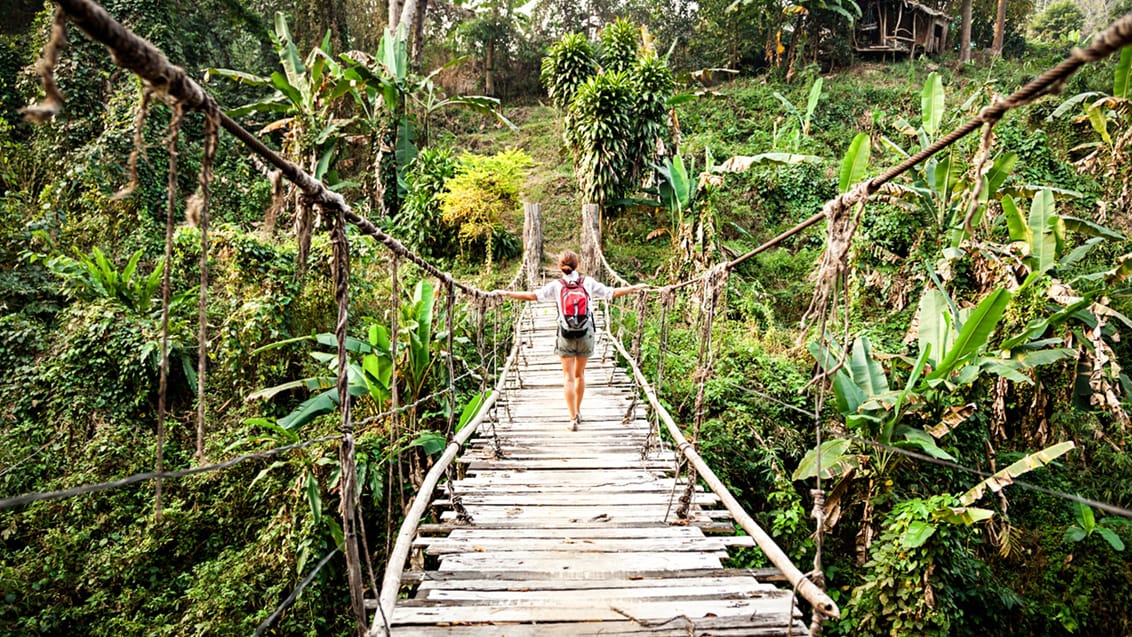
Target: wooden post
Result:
[591, 239]
[532, 240]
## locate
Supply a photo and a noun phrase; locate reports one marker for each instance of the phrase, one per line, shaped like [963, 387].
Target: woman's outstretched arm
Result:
[520, 296]
[629, 290]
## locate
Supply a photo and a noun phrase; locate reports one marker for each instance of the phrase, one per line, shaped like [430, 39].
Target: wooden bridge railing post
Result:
[532, 242]
[591, 239]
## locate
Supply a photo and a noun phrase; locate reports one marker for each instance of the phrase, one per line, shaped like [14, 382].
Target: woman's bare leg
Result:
[579, 383]
[568, 385]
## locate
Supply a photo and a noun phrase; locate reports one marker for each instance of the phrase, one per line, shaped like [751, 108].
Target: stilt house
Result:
[900, 27]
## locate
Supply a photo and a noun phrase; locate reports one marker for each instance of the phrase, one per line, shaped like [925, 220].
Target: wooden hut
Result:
[900, 26]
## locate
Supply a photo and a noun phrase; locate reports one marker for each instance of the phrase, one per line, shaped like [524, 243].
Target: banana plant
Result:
[798, 129]
[416, 328]
[395, 105]
[960, 511]
[1103, 112]
[303, 99]
[952, 353]
[369, 378]
[370, 369]
[1042, 234]
[941, 187]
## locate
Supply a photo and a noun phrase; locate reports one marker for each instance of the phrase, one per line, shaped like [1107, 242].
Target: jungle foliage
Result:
[982, 326]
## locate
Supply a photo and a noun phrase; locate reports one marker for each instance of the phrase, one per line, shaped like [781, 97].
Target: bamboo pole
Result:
[804, 587]
[395, 565]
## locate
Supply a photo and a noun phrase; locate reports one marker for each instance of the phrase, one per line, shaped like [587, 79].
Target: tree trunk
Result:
[532, 243]
[394, 14]
[999, 28]
[408, 11]
[333, 19]
[489, 69]
[418, 34]
[965, 33]
[591, 239]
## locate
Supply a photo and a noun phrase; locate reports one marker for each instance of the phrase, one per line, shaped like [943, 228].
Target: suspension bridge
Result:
[590, 532]
[619, 528]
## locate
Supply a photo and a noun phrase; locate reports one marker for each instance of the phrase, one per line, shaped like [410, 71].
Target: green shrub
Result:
[419, 224]
[484, 191]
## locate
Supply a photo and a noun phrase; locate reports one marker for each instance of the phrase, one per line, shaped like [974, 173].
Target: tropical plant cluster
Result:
[614, 99]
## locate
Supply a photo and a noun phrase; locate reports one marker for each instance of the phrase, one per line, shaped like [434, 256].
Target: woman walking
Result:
[575, 343]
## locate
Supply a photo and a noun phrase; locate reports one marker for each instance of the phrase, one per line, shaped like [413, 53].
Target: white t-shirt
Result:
[553, 291]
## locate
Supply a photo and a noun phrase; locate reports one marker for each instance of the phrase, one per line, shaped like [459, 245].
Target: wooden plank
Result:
[436, 546]
[757, 611]
[486, 484]
[707, 526]
[551, 562]
[679, 627]
[589, 537]
[613, 586]
[548, 498]
[576, 533]
[573, 515]
[576, 464]
[505, 578]
[699, 590]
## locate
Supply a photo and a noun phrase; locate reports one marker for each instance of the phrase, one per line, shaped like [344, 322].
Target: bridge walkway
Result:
[575, 532]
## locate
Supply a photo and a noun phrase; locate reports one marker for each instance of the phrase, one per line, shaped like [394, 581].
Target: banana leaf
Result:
[1006, 477]
[855, 163]
[975, 333]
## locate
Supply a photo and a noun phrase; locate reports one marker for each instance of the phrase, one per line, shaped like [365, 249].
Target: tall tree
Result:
[999, 30]
[965, 32]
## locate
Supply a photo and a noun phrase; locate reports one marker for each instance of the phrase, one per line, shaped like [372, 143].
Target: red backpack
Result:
[575, 303]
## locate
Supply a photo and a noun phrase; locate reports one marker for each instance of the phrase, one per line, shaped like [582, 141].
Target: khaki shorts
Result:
[581, 347]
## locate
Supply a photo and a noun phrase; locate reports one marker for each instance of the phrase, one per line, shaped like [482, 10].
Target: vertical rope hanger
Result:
[394, 468]
[712, 286]
[347, 457]
[45, 68]
[486, 364]
[462, 515]
[667, 296]
[198, 205]
[817, 575]
[449, 326]
[641, 308]
[170, 212]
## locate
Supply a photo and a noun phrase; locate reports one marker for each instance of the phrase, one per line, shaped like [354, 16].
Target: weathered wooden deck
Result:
[573, 531]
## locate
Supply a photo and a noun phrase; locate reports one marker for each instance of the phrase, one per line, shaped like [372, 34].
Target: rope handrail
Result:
[28, 498]
[806, 588]
[134, 53]
[395, 563]
[617, 278]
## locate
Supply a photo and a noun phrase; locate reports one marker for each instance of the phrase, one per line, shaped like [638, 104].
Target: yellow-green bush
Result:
[477, 198]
